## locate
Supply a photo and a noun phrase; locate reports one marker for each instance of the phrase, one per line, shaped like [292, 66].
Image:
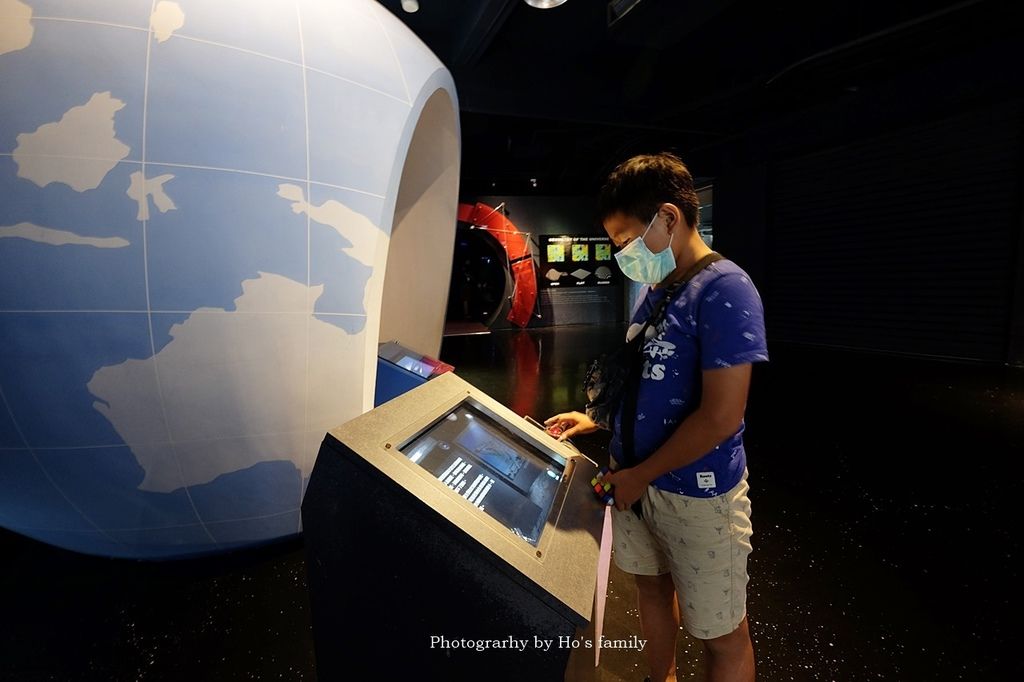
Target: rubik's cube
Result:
[601, 489]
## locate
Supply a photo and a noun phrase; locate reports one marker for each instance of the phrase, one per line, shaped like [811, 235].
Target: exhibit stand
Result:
[449, 538]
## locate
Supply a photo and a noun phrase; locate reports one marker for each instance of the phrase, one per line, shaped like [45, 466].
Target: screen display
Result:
[491, 467]
[414, 362]
[416, 366]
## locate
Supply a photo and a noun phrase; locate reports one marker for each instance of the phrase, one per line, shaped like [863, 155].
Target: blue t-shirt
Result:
[716, 321]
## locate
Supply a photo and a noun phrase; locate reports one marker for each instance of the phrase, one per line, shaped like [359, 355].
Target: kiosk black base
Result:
[399, 592]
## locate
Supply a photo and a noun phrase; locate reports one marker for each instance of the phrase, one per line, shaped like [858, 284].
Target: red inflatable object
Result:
[517, 246]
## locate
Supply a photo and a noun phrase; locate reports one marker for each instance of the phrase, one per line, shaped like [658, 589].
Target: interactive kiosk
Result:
[400, 369]
[448, 538]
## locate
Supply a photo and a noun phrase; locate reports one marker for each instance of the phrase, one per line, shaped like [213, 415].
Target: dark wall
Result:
[888, 217]
[553, 215]
[741, 218]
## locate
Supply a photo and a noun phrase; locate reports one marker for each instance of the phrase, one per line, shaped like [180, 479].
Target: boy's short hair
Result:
[638, 186]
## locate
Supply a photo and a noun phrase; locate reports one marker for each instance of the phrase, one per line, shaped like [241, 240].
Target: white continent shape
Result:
[230, 389]
[48, 235]
[15, 26]
[139, 189]
[166, 19]
[79, 150]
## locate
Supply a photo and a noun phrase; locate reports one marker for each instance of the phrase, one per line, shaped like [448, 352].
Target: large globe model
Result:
[200, 212]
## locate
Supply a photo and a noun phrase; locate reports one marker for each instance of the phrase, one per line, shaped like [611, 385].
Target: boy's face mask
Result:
[640, 264]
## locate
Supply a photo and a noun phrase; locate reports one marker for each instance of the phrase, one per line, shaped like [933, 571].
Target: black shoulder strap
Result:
[707, 260]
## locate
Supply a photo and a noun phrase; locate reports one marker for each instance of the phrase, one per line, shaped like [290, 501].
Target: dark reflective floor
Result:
[68, 617]
[885, 513]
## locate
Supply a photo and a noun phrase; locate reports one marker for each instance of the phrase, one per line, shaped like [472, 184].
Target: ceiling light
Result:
[410, 6]
[544, 4]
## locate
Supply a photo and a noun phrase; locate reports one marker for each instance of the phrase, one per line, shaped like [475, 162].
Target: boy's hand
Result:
[569, 424]
[628, 487]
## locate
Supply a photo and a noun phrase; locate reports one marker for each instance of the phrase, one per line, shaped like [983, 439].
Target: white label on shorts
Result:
[705, 479]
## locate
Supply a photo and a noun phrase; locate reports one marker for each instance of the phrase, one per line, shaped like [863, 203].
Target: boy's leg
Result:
[638, 552]
[731, 657]
[708, 541]
[659, 622]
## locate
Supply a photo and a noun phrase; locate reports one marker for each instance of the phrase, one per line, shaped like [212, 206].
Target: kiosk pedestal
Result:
[448, 539]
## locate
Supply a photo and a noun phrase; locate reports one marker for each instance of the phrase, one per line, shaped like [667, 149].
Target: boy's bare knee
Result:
[655, 584]
[736, 641]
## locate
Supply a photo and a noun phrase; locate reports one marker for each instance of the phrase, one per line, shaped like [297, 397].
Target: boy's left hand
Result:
[629, 486]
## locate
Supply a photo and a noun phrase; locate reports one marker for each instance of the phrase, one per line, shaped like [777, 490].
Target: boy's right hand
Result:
[571, 424]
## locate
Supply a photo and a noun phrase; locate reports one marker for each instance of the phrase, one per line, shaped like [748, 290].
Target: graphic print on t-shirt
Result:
[656, 350]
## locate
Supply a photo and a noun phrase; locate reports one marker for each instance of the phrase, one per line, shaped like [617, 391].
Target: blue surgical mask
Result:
[640, 264]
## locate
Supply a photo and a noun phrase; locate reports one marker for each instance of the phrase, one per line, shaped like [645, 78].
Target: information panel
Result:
[577, 261]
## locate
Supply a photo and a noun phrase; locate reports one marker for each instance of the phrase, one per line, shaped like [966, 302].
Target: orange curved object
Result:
[517, 246]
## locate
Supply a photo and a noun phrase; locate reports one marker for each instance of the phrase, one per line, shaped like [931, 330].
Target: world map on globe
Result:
[192, 203]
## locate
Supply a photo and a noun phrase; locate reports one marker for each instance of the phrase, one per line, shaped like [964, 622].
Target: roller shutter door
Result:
[902, 243]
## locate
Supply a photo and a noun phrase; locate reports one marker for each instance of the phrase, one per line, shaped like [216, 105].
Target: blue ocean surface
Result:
[270, 28]
[347, 40]
[38, 276]
[47, 361]
[353, 134]
[264, 489]
[9, 437]
[124, 12]
[243, 533]
[227, 227]
[30, 501]
[103, 483]
[212, 106]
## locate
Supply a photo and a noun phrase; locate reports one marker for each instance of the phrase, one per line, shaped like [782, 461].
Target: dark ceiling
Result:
[560, 96]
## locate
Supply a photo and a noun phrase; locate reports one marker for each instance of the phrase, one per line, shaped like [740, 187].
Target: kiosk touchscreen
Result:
[439, 517]
[491, 467]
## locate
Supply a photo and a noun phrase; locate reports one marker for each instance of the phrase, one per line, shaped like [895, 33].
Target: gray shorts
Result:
[703, 542]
